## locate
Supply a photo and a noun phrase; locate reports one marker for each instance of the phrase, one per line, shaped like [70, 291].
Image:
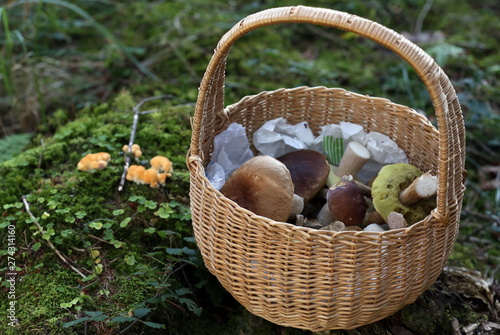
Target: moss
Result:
[127, 291]
[38, 299]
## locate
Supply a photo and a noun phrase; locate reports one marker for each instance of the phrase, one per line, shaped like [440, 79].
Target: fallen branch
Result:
[135, 121]
[40, 229]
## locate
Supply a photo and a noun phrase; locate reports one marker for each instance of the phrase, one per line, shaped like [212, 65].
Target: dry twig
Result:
[40, 229]
[137, 112]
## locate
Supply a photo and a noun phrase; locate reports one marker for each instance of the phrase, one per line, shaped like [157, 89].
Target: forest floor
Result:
[80, 256]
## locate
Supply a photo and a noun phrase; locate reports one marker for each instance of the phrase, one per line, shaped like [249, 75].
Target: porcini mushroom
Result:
[309, 170]
[262, 185]
[297, 208]
[346, 202]
[422, 187]
[396, 220]
[387, 186]
[354, 158]
[373, 227]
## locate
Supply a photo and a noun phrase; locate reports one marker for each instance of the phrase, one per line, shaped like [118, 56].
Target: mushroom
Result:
[346, 202]
[95, 161]
[334, 226]
[373, 227]
[422, 187]
[161, 164]
[151, 177]
[139, 175]
[386, 189]
[262, 185]
[134, 173]
[396, 220]
[297, 208]
[325, 216]
[309, 170]
[355, 157]
[135, 149]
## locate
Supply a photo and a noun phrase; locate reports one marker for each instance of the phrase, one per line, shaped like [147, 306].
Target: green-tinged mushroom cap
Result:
[390, 181]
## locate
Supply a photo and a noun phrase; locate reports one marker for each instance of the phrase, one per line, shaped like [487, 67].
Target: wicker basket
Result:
[320, 280]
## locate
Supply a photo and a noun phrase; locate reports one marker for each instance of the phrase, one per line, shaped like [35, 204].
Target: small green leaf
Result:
[75, 322]
[140, 312]
[69, 304]
[153, 324]
[130, 259]
[96, 225]
[108, 234]
[66, 232]
[150, 230]
[133, 198]
[93, 314]
[118, 211]
[174, 251]
[151, 204]
[120, 319]
[98, 269]
[80, 214]
[36, 246]
[189, 239]
[125, 222]
[182, 291]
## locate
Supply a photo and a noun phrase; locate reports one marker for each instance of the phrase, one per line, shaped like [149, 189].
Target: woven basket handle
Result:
[210, 102]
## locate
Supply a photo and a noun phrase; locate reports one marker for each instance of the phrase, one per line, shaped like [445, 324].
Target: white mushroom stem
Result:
[299, 220]
[334, 226]
[298, 206]
[354, 158]
[325, 216]
[374, 228]
[422, 187]
[396, 220]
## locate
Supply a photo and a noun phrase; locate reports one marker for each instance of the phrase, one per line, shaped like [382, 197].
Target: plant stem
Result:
[135, 121]
[40, 229]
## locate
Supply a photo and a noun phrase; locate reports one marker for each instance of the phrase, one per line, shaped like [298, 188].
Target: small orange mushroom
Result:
[97, 161]
[134, 173]
[161, 164]
[139, 175]
[135, 150]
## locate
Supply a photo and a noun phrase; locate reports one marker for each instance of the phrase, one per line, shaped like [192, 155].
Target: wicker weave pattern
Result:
[319, 280]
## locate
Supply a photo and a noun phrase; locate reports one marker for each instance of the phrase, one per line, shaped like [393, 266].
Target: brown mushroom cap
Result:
[346, 202]
[262, 185]
[309, 170]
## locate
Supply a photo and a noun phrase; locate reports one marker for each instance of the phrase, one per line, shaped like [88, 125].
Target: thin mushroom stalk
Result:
[355, 157]
[422, 187]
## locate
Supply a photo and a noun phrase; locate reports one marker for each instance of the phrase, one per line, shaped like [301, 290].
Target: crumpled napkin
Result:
[231, 150]
[277, 137]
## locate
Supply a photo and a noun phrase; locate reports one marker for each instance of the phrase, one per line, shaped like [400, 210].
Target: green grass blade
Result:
[4, 70]
[99, 27]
